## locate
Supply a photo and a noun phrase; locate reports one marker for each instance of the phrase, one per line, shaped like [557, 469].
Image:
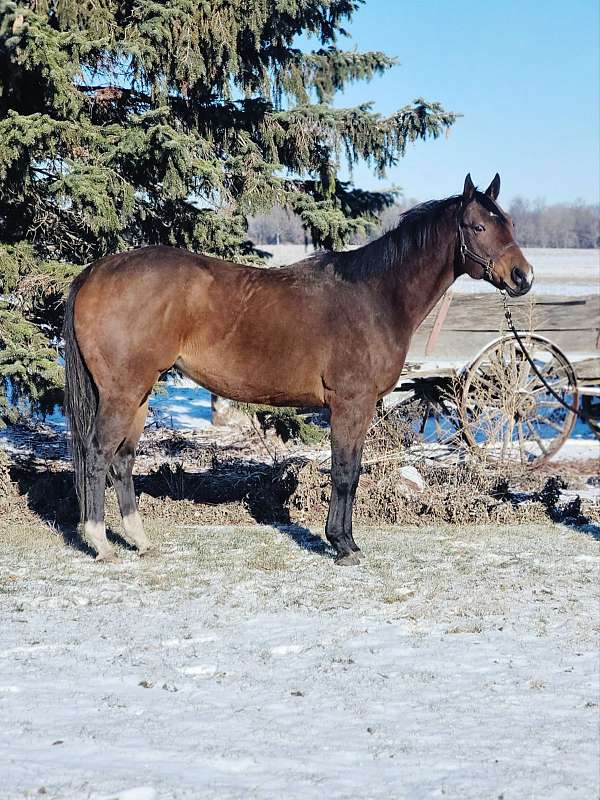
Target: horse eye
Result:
[479, 228]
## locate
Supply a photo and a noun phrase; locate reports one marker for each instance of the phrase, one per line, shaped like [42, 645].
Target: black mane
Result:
[417, 228]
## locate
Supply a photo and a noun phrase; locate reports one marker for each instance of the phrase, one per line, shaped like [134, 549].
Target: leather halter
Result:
[488, 263]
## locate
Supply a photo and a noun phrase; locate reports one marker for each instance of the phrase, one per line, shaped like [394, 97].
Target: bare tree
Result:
[538, 225]
[559, 225]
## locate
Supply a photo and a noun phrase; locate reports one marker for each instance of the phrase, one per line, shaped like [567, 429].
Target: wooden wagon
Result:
[478, 389]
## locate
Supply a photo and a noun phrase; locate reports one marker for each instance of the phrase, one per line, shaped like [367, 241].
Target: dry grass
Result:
[225, 489]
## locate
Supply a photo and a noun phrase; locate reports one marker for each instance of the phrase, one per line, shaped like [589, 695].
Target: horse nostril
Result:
[519, 277]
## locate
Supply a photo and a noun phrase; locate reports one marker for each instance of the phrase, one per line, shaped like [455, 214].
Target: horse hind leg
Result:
[94, 529]
[120, 475]
[112, 424]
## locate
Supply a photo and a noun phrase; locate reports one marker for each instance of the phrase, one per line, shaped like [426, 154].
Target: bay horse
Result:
[332, 330]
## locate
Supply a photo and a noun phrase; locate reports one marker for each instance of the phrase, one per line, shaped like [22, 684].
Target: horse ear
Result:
[493, 189]
[468, 190]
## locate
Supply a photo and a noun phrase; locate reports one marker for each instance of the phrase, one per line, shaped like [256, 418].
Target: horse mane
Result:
[418, 227]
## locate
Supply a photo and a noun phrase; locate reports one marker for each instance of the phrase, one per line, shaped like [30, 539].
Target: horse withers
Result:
[332, 330]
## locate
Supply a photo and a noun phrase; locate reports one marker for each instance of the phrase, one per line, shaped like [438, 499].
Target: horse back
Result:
[263, 335]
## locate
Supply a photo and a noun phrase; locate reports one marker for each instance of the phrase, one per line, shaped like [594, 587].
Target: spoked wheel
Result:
[437, 422]
[508, 415]
[428, 416]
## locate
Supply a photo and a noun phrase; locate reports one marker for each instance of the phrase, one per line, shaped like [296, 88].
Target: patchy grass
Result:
[441, 573]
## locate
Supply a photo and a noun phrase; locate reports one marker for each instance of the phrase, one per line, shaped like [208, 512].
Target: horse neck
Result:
[415, 286]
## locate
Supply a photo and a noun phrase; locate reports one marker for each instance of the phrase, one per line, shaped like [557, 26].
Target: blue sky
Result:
[525, 75]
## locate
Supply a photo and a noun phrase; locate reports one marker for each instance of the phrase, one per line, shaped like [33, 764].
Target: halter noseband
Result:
[488, 263]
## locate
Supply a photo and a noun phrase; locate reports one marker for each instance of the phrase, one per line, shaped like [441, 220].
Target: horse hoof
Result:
[107, 558]
[348, 560]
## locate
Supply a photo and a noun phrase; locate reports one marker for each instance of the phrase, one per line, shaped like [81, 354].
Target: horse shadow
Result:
[51, 496]
[590, 528]
[305, 539]
[253, 485]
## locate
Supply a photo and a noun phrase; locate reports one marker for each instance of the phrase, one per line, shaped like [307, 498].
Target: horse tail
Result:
[81, 395]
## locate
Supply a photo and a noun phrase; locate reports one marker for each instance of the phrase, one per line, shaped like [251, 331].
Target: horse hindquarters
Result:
[105, 427]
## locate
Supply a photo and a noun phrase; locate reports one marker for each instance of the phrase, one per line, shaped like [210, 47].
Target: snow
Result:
[565, 272]
[184, 405]
[240, 663]
[137, 793]
[579, 448]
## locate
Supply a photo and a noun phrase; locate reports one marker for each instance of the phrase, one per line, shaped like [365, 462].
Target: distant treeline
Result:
[537, 225]
[559, 225]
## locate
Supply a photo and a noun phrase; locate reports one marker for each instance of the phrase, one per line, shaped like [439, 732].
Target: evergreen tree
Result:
[145, 122]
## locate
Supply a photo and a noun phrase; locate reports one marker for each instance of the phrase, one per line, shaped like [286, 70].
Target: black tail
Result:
[81, 397]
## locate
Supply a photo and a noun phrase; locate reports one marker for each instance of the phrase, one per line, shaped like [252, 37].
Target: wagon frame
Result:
[495, 404]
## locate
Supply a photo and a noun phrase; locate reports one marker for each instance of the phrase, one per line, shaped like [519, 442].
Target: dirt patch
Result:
[456, 494]
[297, 491]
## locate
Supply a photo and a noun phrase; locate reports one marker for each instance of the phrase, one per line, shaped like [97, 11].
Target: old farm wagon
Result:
[478, 392]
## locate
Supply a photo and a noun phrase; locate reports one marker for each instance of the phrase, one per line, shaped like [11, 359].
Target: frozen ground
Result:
[240, 663]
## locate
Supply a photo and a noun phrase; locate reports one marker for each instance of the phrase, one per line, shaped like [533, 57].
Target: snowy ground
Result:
[240, 663]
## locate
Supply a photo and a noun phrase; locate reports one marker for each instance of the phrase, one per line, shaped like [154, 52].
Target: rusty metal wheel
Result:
[507, 413]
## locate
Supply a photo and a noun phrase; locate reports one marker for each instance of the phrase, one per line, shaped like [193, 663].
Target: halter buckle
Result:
[489, 269]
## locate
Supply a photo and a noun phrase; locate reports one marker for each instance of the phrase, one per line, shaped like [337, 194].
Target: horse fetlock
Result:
[342, 543]
[134, 532]
[94, 534]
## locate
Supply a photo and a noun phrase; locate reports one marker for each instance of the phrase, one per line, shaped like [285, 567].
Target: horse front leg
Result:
[350, 419]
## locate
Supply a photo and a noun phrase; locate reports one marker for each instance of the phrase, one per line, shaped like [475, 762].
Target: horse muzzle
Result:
[522, 282]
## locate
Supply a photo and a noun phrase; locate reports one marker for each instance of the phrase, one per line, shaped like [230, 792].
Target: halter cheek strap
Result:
[488, 263]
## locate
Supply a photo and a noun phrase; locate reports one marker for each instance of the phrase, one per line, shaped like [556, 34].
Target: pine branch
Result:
[144, 122]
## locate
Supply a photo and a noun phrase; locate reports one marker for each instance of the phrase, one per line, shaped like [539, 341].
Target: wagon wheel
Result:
[441, 420]
[429, 414]
[508, 415]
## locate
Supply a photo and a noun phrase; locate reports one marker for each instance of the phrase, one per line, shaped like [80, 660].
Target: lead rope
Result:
[516, 334]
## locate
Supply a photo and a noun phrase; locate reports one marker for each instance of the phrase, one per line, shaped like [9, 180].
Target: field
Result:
[557, 270]
[238, 662]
